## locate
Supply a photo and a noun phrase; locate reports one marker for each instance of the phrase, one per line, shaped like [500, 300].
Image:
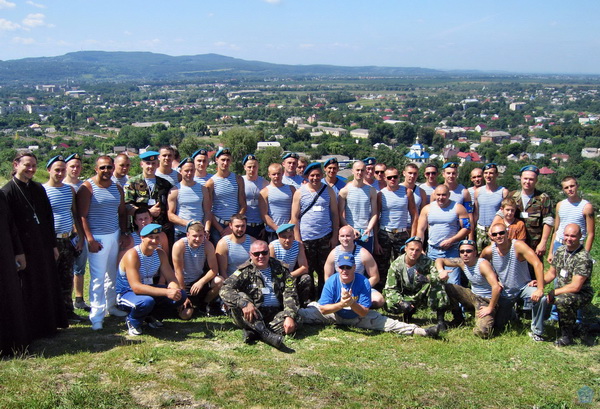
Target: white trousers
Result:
[373, 320]
[103, 273]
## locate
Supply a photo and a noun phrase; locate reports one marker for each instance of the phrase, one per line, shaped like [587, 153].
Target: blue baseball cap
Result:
[346, 259]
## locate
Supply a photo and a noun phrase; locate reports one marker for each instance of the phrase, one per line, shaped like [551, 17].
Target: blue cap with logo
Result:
[346, 259]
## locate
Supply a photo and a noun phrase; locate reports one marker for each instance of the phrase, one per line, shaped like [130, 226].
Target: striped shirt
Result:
[316, 222]
[122, 181]
[237, 254]
[289, 256]
[149, 269]
[225, 196]
[103, 214]
[428, 190]
[571, 213]
[193, 263]
[280, 204]
[61, 200]
[252, 189]
[479, 284]
[488, 203]
[269, 298]
[75, 186]
[394, 209]
[203, 179]
[512, 273]
[172, 178]
[339, 184]
[443, 223]
[295, 180]
[189, 204]
[457, 194]
[358, 206]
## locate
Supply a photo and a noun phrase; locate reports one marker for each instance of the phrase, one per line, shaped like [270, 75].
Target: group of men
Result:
[301, 247]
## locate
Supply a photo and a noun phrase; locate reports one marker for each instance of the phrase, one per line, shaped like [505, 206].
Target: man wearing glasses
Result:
[262, 297]
[379, 173]
[101, 206]
[485, 289]
[511, 259]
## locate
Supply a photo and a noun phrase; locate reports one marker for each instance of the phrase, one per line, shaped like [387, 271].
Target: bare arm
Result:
[422, 226]
[342, 206]
[221, 252]
[329, 267]
[486, 270]
[295, 216]
[302, 263]
[524, 252]
[171, 212]
[370, 267]
[177, 254]
[412, 210]
[590, 223]
[207, 207]
[241, 195]
[374, 210]
[553, 239]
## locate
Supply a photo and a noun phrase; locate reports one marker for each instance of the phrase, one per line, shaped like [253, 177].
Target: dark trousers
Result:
[316, 252]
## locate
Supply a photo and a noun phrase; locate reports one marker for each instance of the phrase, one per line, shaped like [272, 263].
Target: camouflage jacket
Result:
[538, 208]
[137, 193]
[399, 287]
[246, 284]
[569, 265]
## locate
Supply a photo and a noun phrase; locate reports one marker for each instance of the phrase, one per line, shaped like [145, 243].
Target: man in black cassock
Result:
[32, 214]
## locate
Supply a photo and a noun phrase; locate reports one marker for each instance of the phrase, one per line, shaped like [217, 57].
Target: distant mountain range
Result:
[101, 66]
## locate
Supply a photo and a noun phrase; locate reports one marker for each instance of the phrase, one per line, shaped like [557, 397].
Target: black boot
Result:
[407, 310]
[435, 330]
[250, 336]
[566, 335]
[441, 323]
[458, 319]
[267, 336]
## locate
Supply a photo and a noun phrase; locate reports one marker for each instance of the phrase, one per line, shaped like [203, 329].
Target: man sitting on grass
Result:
[346, 300]
[140, 271]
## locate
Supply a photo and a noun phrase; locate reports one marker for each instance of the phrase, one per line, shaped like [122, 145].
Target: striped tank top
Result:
[61, 200]
[289, 256]
[122, 181]
[479, 284]
[193, 263]
[237, 254]
[571, 213]
[512, 273]
[103, 214]
[225, 196]
[189, 204]
[394, 209]
[340, 182]
[75, 186]
[172, 178]
[295, 180]
[316, 222]
[443, 223]
[358, 206]
[203, 179]
[456, 195]
[428, 191]
[269, 299]
[488, 203]
[360, 268]
[280, 204]
[252, 189]
[149, 269]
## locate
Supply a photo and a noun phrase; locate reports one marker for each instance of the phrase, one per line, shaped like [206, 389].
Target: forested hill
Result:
[140, 66]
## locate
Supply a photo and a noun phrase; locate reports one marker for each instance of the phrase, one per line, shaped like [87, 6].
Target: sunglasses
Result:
[260, 253]
[391, 177]
[346, 267]
[430, 173]
[499, 233]
[468, 251]
[106, 167]
[379, 172]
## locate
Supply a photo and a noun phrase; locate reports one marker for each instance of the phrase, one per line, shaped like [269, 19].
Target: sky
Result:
[529, 36]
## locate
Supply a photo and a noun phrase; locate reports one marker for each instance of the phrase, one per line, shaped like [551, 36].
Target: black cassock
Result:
[32, 215]
[13, 330]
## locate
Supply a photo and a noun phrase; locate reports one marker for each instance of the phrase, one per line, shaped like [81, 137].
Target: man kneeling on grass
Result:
[140, 271]
[262, 290]
[346, 299]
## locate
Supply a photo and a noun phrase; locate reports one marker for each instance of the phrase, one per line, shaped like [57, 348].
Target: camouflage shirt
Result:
[246, 283]
[570, 264]
[138, 193]
[539, 208]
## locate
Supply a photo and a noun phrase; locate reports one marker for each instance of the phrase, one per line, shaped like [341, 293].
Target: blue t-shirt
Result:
[332, 293]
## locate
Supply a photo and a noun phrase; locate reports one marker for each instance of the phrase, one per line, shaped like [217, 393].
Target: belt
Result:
[255, 224]
[221, 221]
[394, 230]
[63, 235]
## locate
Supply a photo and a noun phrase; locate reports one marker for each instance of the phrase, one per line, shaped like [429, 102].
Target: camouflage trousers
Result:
[272, 317]
[390, 244]
[65, 264]
[567, 306]
[305, 287]
[431, 294]
[472, 302]
[482, 238]
[316, 254]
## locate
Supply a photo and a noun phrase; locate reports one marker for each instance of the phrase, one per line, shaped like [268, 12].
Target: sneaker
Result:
[74, 318]
[535, 337]
[81, 305]
[132, 330]
[97, 326]
[115, 312]
[153, 322]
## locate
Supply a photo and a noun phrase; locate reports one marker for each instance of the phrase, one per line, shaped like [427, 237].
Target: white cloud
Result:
[127, 33]
[22, 40]
[34, 20]
[223, 44]
[6, 25]
[306, 46]
[5, 4]
[38, 5]
[272, 1]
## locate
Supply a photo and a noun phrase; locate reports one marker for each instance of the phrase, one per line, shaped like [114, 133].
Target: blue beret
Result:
[73, 156]
[452, 165]
[346, 259]
[248, 157]
[152, 228]
[467, 243]
[312, 167]
[490, 166]
[369, 161]
[531, 168]
[199, 152]
[184, 161]
[149, 155]
[57, 158]
[292, 155]
[223, 151]
[192, 223]
[330, 161]
[285, 227]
